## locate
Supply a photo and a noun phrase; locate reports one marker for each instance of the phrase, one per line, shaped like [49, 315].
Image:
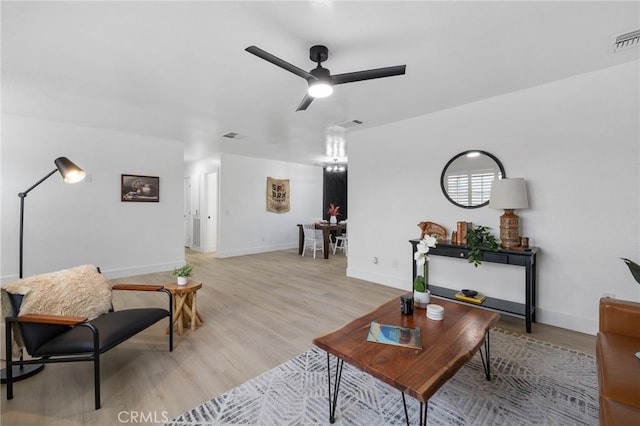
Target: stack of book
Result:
[477, 299]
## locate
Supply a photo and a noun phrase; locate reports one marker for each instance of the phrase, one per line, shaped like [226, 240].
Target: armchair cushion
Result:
[81, 291]
[620, 317]
[618, 369]
[114, 329]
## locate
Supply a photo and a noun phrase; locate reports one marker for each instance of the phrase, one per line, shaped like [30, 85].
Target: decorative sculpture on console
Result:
[433, 229]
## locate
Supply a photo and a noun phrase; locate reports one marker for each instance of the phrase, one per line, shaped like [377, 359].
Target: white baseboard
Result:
[570, 322]
[254, 250]
[388, 280]
[9, 278]
[121, 272]
[200, 250]
[141, 270]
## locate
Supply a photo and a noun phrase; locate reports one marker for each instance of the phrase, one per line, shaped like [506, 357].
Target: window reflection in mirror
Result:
[466, 178]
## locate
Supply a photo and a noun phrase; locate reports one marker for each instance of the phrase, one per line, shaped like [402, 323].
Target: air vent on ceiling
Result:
[232, 135]
[349, 123]
[627, 40]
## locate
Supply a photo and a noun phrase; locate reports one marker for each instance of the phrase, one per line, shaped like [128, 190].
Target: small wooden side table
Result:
[184, 305]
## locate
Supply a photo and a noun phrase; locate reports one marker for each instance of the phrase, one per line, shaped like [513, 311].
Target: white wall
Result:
[68, 225]
[245, 225]
[576, 141]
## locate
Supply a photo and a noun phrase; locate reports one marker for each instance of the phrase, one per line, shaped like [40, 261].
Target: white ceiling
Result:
[178, 70]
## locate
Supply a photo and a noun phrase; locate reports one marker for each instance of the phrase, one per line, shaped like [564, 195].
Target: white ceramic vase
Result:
[421, 299]
[182, 280]
[333, 220]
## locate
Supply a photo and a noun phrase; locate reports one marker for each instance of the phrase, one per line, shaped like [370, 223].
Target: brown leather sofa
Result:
[618, 368]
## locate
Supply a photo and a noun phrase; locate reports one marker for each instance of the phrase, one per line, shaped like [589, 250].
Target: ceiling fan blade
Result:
[306, 101]
[279, 62]
[350, 77]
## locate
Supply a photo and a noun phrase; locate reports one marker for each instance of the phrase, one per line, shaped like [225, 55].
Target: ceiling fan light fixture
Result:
[320, 89]
[319, 79]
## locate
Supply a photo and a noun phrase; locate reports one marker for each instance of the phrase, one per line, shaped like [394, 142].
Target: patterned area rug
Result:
[533, 383]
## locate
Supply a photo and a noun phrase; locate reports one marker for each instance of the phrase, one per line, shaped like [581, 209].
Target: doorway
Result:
[187, 212]
[335, 192]
[211, 213]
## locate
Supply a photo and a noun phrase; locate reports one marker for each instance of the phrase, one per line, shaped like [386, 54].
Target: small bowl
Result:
[469, 293]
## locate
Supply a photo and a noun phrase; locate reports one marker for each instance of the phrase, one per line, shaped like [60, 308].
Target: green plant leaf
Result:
[478, 238]
[419, 284]
[183, 271]
[634, 268]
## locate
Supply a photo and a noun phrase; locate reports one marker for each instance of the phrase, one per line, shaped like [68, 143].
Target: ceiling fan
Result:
[320, 80]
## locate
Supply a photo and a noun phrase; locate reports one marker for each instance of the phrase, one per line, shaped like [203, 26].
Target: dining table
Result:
[326, 228]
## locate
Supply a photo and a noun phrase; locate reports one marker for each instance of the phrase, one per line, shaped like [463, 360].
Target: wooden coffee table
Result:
[446, 346]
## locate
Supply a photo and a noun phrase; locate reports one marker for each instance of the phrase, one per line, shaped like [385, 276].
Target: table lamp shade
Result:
[509, 194]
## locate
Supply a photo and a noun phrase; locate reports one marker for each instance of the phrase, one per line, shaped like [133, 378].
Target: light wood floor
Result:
[258, 312]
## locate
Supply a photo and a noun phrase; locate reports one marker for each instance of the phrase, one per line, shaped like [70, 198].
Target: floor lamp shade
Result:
[69, 171]
[509, 194]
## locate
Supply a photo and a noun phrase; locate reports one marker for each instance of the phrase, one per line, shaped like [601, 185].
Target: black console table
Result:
[526, 258]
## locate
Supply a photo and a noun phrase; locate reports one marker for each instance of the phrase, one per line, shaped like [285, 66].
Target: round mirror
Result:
[466, 179]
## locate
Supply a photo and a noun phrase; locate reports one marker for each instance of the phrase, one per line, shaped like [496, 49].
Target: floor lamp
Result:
[70, 174]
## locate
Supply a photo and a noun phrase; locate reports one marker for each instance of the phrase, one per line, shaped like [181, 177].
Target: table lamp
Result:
[509, 194]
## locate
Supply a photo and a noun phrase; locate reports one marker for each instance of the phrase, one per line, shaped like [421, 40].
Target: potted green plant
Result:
[421, 293]
[182, 273]
[478, 238]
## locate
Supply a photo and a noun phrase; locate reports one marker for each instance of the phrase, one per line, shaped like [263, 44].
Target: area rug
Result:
[533, 383]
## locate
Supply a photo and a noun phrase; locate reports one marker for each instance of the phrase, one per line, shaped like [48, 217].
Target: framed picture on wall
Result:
[141, 189]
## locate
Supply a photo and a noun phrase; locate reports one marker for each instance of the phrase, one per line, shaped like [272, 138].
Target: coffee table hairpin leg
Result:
[336, 386]
[424, 406]
[487, 365]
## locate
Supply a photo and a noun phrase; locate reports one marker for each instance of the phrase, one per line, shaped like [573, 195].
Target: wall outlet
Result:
[609, 295]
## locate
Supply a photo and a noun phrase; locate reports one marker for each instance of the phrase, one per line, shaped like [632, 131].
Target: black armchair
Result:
[55, 338]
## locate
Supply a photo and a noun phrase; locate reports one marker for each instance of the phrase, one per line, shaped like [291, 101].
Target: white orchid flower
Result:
[422, 248]
[430, 240]
[426, 243]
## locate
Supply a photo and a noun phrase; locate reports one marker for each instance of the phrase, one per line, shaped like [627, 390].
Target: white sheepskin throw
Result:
[80, 292]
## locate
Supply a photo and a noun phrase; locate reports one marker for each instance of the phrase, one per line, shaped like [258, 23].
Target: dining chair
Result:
[344, 246]
[312, 238]
[319, 232]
